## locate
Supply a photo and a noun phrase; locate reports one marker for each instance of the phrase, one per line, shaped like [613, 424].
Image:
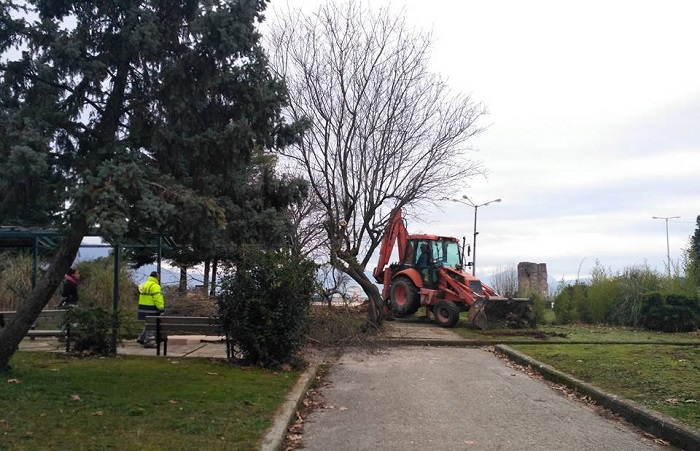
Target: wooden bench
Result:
[47, 324]
[184, 325]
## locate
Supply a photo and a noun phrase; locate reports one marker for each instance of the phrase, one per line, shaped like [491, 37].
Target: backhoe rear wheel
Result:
[446, 313]
[404, 298]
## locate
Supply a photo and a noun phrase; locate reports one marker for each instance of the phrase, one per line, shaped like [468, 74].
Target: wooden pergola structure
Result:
[38, 239]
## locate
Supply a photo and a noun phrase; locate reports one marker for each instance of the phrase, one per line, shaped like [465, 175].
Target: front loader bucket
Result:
[510, 312]
[477, 315]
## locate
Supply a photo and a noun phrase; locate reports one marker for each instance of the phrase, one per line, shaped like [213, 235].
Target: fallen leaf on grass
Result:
[98, 413]
[212, 374]
[13, 381]
[172, 401]
[75, 398]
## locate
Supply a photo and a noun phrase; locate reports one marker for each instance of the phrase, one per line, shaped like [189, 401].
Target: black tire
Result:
[404, 298]
[446, 313]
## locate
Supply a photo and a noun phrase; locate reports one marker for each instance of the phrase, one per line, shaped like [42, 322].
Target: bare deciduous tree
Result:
[505, 281]
[385, 132]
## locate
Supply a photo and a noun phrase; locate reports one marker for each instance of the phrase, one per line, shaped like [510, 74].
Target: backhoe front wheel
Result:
[446, 313]
[404, 298]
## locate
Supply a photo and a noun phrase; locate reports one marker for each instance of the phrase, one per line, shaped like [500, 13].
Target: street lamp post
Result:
[668, 249]
[476, 209]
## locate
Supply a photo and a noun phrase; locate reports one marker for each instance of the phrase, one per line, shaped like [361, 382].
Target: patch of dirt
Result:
[524, 333]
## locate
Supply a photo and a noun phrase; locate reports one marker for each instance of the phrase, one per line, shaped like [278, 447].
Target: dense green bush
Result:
[91, 328]
[634, 283]
[637, 297]
[670, 312]
[567, 302]
[601, 297]
[264, 305]
[539, 308]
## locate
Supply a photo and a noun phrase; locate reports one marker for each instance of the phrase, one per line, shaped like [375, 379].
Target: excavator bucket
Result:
[477, 315]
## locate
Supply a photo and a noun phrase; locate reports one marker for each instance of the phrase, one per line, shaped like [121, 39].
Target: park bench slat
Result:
[46, 325]
[186, 325]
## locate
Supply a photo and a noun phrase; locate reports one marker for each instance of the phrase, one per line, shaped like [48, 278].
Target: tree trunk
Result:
[13, 333]
[205, 282]
[182, 287]
[214, 264]
[375, 313]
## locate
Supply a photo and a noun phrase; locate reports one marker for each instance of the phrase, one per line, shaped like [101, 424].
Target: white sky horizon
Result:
[591, 132]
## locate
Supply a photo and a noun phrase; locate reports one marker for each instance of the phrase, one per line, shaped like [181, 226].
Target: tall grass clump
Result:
[567, 300]
[16, 278]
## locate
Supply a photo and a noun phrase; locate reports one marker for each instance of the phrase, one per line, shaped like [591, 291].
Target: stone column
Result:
[532, 279]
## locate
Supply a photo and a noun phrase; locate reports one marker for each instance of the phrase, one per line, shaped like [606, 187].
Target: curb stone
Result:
[275, 435]
[652, 422]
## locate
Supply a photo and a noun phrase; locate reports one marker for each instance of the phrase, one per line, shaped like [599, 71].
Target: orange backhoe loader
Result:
[430, 273]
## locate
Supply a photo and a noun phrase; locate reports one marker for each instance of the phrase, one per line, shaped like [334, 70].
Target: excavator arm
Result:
[395, 232]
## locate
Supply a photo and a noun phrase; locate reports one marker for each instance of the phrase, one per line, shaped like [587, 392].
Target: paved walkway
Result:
[449, 398]
[180, 346]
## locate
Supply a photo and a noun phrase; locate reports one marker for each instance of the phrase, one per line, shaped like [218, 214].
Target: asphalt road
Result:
[432, 398]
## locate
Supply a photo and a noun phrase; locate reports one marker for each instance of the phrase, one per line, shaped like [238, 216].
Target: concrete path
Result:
[178, 346]
[434, 398]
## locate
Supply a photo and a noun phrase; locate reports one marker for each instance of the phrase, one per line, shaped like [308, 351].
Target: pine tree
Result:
[693, 254]
[133, 116]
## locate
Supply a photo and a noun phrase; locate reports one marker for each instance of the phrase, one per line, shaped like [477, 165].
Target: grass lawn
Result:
[50, 401]
[572, 334]
[665, 378]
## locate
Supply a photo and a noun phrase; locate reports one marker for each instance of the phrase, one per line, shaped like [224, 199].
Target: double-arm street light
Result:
[668, 249]
[468, 201]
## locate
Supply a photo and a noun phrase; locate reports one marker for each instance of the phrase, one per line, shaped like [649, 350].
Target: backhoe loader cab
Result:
[426, 254]
[430, 273]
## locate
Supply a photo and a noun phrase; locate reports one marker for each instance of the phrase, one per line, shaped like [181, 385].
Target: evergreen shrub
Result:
[91, 328]
[264, 305]
[670, 312]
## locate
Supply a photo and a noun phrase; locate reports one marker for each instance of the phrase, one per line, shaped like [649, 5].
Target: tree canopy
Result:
[385, 131]
[693, 256]
[137, 115]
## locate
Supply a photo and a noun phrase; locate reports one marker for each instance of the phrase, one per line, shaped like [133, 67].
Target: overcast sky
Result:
[593, 128]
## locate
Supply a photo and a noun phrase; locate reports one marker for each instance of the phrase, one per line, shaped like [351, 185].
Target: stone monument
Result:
[532, 279]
